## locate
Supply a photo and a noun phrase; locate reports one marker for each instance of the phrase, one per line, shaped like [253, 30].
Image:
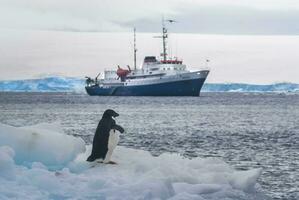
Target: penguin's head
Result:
[109, 113]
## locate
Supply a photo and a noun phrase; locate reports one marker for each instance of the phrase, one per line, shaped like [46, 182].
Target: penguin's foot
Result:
[112, 162]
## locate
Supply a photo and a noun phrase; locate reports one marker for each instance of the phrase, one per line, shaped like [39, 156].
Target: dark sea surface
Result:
[247, 130]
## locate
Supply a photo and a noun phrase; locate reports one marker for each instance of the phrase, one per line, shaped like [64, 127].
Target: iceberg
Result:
[138, 174]
[242, 87]
[48, 84]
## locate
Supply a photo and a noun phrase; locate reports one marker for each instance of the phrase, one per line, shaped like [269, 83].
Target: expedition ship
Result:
[165, 77]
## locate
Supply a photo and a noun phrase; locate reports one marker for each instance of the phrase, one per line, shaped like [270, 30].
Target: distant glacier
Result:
[48, 84]
[242, 87]
[70, 84]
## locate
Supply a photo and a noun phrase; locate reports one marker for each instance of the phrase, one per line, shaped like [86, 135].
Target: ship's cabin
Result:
[151, 67]
[171, 66]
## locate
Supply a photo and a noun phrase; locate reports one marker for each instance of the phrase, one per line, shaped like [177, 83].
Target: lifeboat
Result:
[122, 73]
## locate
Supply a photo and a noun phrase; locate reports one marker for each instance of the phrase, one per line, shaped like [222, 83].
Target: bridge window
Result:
[154, 69]
[150, 59]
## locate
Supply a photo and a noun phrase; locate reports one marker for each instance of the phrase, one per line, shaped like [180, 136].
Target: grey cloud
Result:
[228, 20]
[117, 15]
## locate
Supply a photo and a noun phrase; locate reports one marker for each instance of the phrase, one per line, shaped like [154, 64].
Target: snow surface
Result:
[138, 174]
[67, 84]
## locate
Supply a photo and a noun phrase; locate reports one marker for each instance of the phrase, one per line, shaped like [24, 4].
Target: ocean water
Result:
[246, 130]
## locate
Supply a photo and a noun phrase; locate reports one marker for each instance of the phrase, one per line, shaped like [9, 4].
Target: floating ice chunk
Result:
[186, 196]
[41, 143]
[245, 180]
[197, 188]
[7, 166]
[138, 175]
[168, 176]
[54, 127]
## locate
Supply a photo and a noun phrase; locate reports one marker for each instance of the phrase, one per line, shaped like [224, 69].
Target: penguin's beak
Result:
[115, 115]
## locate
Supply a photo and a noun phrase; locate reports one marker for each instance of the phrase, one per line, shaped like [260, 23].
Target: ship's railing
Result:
[171, 61]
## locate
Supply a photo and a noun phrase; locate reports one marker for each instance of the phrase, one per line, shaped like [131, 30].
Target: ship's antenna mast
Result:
[135, 50]
[164, 37]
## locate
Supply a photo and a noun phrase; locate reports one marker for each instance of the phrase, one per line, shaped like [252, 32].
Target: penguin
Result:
[102, 135]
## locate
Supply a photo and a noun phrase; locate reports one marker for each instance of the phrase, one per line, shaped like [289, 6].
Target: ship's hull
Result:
[189, 87]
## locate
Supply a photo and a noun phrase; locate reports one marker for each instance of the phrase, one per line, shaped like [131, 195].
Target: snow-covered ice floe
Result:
[43, 143]
[40, 162]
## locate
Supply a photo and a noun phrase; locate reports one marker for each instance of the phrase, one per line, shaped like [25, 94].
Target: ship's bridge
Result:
[153, 66]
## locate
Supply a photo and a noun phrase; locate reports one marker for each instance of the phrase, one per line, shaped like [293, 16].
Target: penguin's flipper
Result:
[118, 128]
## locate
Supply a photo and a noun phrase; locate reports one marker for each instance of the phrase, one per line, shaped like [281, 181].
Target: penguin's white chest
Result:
[113, 139]
[112, 143]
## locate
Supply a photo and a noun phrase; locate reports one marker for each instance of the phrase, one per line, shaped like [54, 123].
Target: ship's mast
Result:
[135, 50]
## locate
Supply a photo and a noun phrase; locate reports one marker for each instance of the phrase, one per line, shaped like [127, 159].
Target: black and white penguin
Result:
[102, 137]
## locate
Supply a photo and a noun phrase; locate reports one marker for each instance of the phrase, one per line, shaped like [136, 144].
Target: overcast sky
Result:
[250, 41]
[233, 58]
[196, 16]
